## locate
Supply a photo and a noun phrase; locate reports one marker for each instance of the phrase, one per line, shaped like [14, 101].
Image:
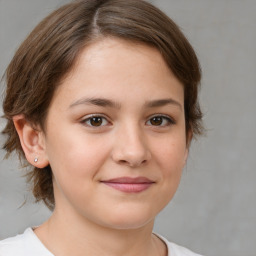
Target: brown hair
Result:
[51, 50]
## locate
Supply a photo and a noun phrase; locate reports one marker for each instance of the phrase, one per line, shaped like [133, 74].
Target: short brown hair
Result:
[51, 50]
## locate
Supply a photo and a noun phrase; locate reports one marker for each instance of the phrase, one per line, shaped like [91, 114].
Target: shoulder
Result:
[26, 244]
[177, 250]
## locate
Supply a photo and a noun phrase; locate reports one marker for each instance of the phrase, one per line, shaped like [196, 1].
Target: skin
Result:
[134, 85]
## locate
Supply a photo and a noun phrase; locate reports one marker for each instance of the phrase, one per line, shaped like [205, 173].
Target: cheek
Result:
[171, 155]
[75, 164]
[76, 156]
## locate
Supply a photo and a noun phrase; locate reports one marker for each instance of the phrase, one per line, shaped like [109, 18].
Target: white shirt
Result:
[28, 244]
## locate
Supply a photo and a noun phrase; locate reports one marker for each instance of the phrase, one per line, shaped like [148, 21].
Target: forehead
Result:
[115, 66]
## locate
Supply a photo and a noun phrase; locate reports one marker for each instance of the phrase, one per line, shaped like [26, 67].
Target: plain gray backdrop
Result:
[214, 210]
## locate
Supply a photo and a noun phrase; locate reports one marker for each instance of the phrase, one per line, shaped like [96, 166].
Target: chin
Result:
[129, 220]
[129, 224]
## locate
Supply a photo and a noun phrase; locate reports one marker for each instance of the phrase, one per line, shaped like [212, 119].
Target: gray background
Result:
[214, 210]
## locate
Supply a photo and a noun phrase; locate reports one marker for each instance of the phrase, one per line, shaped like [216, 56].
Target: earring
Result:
[36, 160]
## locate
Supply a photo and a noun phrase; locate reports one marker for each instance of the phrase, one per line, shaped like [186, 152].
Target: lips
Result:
[128, 184]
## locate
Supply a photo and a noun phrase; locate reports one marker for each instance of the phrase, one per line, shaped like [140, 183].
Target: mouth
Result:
[129, 185]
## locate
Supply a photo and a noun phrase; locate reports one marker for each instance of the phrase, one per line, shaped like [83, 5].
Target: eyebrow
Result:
[162, 102]
[102, 102]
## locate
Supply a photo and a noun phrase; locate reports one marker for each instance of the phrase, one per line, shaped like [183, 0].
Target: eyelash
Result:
[90, 118]
[88, 121]
[163, 118]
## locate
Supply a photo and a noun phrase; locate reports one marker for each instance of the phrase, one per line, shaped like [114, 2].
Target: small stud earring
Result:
[36, 160]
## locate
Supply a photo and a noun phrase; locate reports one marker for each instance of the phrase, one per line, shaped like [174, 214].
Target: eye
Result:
[95, 121]
[160, 121]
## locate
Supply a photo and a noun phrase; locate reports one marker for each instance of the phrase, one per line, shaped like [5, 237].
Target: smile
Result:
[129, 185]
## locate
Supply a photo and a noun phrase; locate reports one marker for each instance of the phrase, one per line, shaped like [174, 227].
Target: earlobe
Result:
[185, 157]
[188, 142]
[32, 141]
[189, 137]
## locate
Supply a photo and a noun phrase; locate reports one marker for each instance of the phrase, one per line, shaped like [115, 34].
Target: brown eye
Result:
[160, 120]
[156, 121]
[95, 121]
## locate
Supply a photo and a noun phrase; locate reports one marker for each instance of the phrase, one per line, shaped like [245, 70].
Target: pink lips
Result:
[129, 185]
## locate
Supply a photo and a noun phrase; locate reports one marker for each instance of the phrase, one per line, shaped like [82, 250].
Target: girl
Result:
[101, 102]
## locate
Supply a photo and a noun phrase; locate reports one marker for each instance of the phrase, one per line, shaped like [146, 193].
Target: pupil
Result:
[156, 121]
[96, 121]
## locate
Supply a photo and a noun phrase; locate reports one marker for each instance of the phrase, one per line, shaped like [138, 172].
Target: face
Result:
[115, 135]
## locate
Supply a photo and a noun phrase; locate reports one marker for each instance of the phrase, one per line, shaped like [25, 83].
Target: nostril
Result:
[134, 154]
[132, 163]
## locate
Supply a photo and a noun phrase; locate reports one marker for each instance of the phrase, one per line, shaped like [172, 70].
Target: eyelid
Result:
[164, 116]
[88, 117]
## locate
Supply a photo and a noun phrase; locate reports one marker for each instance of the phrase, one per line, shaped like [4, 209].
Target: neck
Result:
[63, 235]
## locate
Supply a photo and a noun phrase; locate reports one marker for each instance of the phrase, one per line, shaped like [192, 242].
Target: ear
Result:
[188, 142]
[32, 141]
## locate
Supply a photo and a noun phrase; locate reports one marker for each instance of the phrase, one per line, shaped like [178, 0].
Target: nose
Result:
[131, 147]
